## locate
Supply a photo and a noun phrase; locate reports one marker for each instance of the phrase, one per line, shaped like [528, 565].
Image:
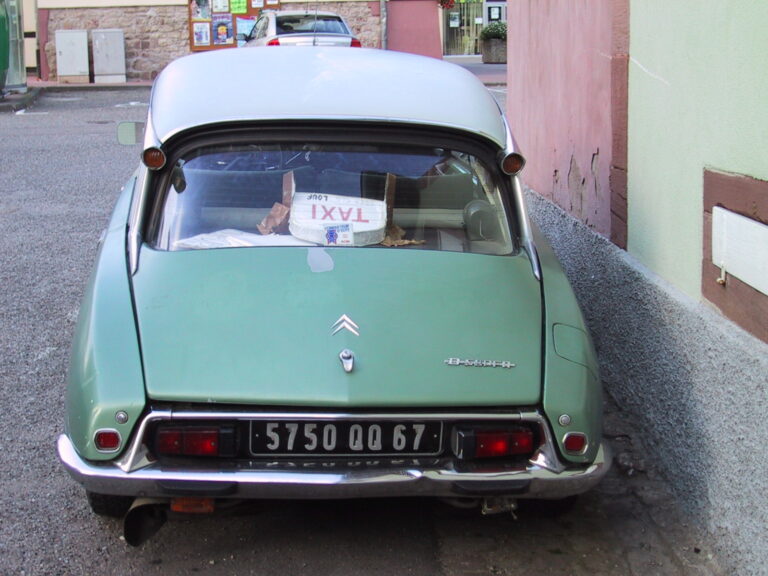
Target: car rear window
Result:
[327, 194]
[311, 23]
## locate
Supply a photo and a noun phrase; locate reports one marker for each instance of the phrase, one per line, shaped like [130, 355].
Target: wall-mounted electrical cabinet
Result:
[72, 56]
[108, 56]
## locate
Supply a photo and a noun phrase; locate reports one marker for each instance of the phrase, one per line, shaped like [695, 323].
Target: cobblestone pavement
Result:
[628, 525]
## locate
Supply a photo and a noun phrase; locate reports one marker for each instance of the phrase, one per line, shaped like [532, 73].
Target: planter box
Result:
[494, 51]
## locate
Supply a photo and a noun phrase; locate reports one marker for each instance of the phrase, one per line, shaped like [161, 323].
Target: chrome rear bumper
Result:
[320, 483]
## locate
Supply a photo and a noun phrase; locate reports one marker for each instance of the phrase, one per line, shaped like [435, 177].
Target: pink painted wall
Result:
[413, 26]
[559, 101]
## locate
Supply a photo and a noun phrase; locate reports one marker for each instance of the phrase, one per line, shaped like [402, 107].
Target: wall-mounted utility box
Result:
[108, 56]
[740, 247]
[72, 56]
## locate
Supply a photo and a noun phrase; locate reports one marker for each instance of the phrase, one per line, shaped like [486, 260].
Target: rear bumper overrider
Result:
[544, 476]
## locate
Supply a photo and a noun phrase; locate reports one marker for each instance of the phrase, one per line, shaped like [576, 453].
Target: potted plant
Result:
[494, 42]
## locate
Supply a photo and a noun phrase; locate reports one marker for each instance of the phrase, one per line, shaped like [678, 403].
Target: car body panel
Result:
[223, 326]
[315, 76]
[571, 374]
[105, 373]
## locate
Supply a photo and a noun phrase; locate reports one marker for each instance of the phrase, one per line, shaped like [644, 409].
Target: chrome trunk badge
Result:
[347, 358]
[345, 323]
[479, 363]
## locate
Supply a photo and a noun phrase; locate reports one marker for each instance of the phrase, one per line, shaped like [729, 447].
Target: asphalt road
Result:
[61, 173]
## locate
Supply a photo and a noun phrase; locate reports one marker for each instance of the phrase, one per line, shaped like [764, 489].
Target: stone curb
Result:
[16, 102]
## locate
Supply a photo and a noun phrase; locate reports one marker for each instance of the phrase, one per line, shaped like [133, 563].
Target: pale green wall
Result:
[698, 98]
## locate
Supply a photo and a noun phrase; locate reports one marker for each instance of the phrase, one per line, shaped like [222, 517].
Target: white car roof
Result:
[309, 83]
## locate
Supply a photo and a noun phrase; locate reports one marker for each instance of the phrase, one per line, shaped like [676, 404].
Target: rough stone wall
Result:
[154, 35]
[696, 382]
[362, 17]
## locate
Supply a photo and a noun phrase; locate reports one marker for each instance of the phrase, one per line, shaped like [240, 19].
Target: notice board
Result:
[215, 24]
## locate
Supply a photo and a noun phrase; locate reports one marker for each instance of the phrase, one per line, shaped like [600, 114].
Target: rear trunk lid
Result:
[266, 326]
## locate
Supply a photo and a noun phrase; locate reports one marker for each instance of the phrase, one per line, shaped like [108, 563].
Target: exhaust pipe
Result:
[144, 519]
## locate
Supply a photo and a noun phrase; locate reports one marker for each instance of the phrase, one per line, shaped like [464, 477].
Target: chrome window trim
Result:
[524, 222]
[526, 235]
[135, 220]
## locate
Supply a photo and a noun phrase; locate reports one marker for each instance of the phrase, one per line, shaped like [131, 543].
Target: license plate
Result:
[346, 438]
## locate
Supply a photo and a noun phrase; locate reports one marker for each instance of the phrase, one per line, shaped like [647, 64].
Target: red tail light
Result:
[274, 42]
[355, 43]
[494, 443]
[575, 442]
[187, 441]
[107, 440]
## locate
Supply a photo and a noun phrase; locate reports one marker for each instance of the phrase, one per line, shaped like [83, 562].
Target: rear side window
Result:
[322, 194]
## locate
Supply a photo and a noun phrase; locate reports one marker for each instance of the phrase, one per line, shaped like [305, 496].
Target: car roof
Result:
[311, 83]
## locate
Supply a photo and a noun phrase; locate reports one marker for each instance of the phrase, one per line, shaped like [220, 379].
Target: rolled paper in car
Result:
[275, 221]
[333, 220]
[289, 188]
[389, 198]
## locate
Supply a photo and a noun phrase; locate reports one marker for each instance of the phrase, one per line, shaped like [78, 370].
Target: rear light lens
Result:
[274, 42]
[187, 505]
[475, 444]
[512, 163]
[153, 158]
[575, 442]
[187, 441]
[107, 440]
[499, 443]
[355, 43]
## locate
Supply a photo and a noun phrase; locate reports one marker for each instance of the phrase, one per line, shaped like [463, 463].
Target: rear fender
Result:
[105, 372]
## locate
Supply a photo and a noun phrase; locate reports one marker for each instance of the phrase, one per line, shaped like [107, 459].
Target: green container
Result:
[5, 43]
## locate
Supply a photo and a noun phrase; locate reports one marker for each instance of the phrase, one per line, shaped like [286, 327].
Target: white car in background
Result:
[297, 28]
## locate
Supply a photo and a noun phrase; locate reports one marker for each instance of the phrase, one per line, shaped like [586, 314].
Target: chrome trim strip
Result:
[514, 415]
[136, 456]
[534, 482]
[134, 219]
[526, 234]
[510, 145]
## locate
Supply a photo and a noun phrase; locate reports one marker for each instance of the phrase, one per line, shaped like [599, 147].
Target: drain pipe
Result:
[383, 19]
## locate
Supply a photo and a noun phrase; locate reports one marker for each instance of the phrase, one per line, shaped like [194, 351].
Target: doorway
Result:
[462, 25]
